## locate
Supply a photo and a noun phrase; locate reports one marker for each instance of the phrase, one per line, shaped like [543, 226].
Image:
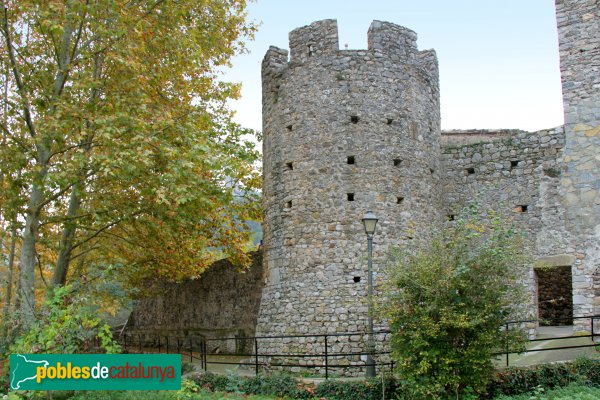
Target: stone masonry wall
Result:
[222, 303]
[513, 172]
[345, 131]
[579, 37]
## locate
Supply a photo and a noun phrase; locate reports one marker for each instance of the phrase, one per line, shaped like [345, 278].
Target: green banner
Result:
[95, 371]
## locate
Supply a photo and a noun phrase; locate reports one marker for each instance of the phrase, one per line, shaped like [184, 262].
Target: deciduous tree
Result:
[117, 128]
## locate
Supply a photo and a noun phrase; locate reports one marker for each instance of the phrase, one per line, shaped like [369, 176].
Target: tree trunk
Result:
[66, 240]
[27, 261]
[70, 226]
[9, 269]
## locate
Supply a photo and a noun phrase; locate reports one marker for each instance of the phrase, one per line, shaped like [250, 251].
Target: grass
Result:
[571, 392]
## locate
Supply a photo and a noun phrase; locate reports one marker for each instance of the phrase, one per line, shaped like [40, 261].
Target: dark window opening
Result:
[289, 165]
[354, 119]
[288, 204]
[310, 50]
[451, 217]
[431, 170]
[522, 208]
[399, 200]
[289, 127]
[356, 279]
[470, 171]
[350, 196]
[350, 160]
[397, 162]
[389, 121]
[514, 164]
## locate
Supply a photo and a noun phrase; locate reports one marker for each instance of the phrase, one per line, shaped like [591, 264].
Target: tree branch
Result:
[17, 74]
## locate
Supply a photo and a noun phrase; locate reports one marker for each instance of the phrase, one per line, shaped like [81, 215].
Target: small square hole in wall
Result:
[399, 200]
[288, 204]
[350, 196]
[451, 217]
[354, 119]
[389, 121]
[356, 279]
[521, 208]
[470, 171]
[289, 166]
[310, 50]
[397, 162]
[290, 127]
[350, 160]
[514, 164]
[431, 170]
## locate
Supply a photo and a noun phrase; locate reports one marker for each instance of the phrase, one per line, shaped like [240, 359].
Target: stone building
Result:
[346, 131]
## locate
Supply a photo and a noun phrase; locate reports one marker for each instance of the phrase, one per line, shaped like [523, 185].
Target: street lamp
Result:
[370, 221]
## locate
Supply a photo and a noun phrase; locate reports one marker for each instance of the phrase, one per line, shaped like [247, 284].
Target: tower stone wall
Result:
[578, 24]
[345, 131]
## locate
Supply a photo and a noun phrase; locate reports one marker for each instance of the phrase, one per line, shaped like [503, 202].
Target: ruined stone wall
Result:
[345, 131]
[222, 303]
[514, 173]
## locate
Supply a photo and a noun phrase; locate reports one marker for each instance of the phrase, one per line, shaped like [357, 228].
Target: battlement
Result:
[318, 38]
[275, 59]
[387, 38]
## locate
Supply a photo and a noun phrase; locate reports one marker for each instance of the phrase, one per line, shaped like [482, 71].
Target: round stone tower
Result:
[345, 131]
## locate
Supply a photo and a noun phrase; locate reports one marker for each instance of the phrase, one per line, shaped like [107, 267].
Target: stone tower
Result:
[579, 36]
[579, 43]
[345, 131]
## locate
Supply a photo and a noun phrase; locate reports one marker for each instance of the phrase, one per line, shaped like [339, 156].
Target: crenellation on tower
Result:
[393, 41]
[314, 40]
[428, 60]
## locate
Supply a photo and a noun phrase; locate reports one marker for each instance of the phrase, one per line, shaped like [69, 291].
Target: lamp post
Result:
[369, 222]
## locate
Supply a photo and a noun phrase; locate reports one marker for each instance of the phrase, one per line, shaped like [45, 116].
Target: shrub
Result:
[518, 380]
[449, 302]
[367, 390]
[212, 382]
[66, 325]
[274, 385]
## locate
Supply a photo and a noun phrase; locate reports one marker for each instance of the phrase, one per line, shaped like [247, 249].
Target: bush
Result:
[212, 382]
[367, 390]
[448, 305]
[571, 392]
[514, 381]
[66, 325]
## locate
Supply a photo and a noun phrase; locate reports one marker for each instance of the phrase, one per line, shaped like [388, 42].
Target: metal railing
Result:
[323, 357]
[593, 335]
[318, 354]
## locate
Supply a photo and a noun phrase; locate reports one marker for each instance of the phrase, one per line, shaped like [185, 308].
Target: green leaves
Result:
[134, 157]
[449, 304]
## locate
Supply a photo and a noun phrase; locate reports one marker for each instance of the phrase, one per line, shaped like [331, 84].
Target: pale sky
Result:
[499, 65]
